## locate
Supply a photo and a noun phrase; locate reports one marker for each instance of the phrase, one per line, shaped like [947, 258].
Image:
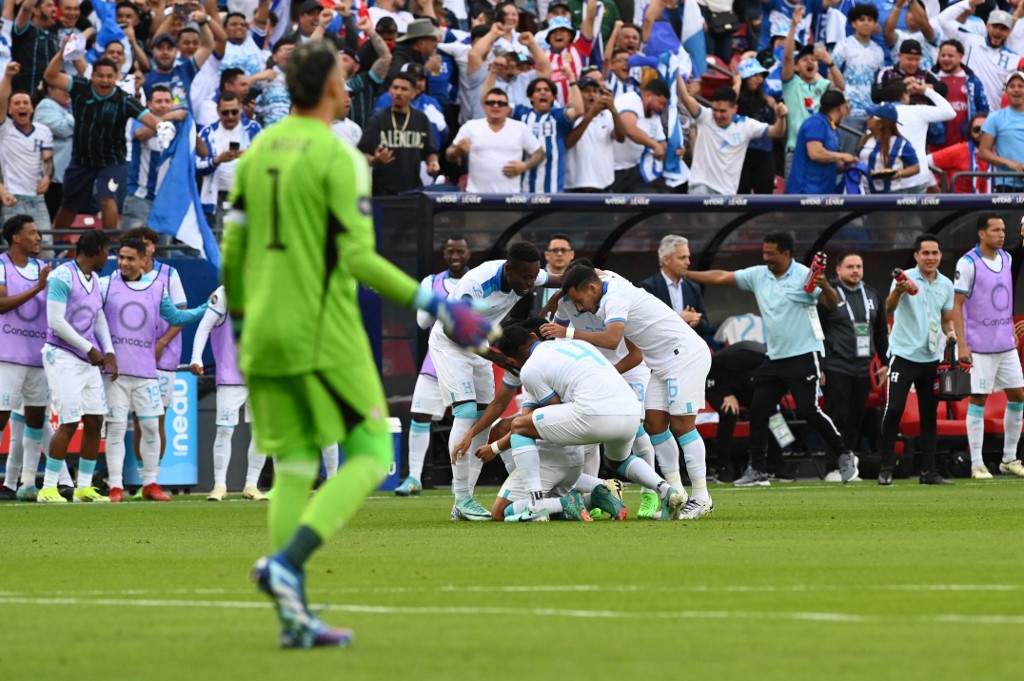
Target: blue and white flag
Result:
[176, 209]
[675, 170]
[692, 37]
[109, 31]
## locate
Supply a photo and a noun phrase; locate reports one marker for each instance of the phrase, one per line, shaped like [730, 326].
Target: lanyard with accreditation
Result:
[861, 330]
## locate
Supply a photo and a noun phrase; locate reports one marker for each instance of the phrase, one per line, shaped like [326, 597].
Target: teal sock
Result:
[85, 470]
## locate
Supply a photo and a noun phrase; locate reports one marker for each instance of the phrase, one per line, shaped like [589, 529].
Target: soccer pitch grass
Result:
[802, 581]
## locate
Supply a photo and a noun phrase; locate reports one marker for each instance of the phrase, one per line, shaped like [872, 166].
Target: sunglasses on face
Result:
[230, 112]
[495, 102]
[976, 129]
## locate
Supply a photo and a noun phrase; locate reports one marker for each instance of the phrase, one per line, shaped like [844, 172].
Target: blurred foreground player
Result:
[301, 203]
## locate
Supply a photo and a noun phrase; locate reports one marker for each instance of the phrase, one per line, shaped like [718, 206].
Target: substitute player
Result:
[301, 204]
[75, 326]
[678, 358]
[427, 404]
[983, 319]
[231, 396]
[133, 307]
[467, 380]
[22, 333]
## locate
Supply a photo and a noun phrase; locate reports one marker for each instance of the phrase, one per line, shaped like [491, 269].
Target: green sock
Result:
[367, 458]
[302, 545]
[294, 475]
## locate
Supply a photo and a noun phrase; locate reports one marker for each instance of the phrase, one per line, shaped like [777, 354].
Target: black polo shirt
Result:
[98, 140]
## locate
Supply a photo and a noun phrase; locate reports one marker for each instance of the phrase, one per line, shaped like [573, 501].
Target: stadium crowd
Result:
[710, 97]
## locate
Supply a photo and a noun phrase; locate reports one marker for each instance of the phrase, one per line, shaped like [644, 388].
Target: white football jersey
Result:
[568, 315]
[484, 283]
[576, 372]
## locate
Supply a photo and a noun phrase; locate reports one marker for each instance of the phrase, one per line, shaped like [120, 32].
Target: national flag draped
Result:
[176, 209]
[692, 37]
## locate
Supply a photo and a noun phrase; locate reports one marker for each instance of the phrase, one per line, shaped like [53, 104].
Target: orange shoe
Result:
[152, 492]
[116, 494]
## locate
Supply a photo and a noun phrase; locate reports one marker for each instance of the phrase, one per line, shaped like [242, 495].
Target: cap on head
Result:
[750, 67]
[911, 46]
[886, 111]
[999, 17]
[165, 38]
[1014, 75]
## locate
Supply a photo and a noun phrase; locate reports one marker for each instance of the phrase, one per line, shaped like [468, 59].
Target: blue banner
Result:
[180, 464]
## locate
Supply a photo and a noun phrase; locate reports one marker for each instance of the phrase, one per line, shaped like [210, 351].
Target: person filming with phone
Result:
[226, 141]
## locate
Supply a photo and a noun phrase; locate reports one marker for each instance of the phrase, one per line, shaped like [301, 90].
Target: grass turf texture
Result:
[804, 581]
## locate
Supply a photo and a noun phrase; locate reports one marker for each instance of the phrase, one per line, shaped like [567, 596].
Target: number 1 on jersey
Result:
[275, 211]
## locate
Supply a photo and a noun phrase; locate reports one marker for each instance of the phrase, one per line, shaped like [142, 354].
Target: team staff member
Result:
[920, 324]
[983, 318]
[794, 346]
[855, 332]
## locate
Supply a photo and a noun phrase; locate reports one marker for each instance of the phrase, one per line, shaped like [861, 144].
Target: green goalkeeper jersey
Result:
[297, 243]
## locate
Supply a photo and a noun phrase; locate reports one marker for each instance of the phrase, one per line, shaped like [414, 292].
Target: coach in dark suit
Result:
[671, 286]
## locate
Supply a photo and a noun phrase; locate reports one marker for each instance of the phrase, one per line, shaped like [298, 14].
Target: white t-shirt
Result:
[912, 121]
[662, 335]
[490, 151]
[964, 280]
[21, 159]
[401, 18]
[568, 315]
[591, 163]
[990, 64]
[627, 154]
[483, 282]
[578, 374]
[719, 152]
[347, 130]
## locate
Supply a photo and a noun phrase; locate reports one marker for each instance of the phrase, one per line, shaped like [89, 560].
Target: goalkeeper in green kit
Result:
[298, 241]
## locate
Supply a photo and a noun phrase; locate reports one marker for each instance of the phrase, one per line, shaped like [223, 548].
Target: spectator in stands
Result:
[26, 154]
[129, 81]
[495, 146]
[856, 332]
[722, 139]
[241, 51]
[362, 80]
[504, 69]
[817, 158]
[963, 158]
[421, 101]
[344, 128]
[964, 92]
[671, 286]
[178, 75]
[98, 150]
[889, 157]
[989, 57]
[916, 345]
[914, 120]
[129, 18]
[624, 37]
[68, 15]
[758, 173]
[394, 10]
[569, 47]
[388, 32]
[34, 42]
[609, 14]
[860, 60]
[778, 16]
[720, 24]
[274, 102]
[590, 159]
[418, 45]
[226, 142]
[919, 29]
[54, 112]
[802, 84]
[398, 140]
[621, 77]
[471, 60]
[147, 151]
[558, 255]
[793, 347]
[309, 21]
[551, 125]
[908, 70]
[645, 136]
[232, 80]
[1002, 138]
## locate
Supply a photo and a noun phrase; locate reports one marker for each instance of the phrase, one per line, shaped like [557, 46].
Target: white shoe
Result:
[253, 494]
[696, 509]
[218, 494]
[981, 473]
[833, 476]
[1015, 467]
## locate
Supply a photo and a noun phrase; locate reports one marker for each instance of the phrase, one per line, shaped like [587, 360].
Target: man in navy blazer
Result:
[671, 286]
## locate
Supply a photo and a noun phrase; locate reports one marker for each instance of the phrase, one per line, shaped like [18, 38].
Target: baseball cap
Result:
[165, 38]
[587, 82]
[887, 111]
[750, 67]
[806, 50]
[310, 6]
[1000, 18]
[413, 69]
[559, 3]
[910, 46]
[1013, 74]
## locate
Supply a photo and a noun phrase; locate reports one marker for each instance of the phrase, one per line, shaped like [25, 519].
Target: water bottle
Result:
[817, 265]
[901, 276]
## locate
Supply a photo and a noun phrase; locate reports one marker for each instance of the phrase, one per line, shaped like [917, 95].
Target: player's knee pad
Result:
[466, 410]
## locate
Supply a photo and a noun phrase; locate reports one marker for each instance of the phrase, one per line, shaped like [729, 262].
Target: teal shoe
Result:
[27, 493]
[573, 508]
[470, 509]
[528, 516]
[601, 498]
[409, 487]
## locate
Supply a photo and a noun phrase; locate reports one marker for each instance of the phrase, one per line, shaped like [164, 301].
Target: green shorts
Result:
[311, 411]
